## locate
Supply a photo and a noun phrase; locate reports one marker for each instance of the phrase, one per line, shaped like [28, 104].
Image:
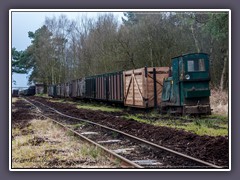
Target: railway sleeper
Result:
[109, 141]
[124, 151]
[89, 133]
[148, 162]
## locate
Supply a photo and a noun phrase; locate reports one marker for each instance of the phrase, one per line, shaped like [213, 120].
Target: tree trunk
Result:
[151, 57]
[212, 71]
[52, 75]
[223, 76]
[195, 39]
[211, 52]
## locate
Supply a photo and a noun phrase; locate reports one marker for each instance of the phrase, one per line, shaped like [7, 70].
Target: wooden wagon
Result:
[143, 87]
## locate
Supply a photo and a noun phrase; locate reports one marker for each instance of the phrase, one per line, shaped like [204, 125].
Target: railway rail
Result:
[123, 162]
[130, 150]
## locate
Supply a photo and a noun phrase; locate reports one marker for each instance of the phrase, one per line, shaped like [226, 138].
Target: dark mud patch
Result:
[53, 151]
[22, 115]
[20, 124]
[165, 118]
[24, 112]
[36, 141]
[27, 131]
[57, 163]
[53, 142]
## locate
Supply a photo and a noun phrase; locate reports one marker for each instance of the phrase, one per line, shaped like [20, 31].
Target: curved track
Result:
[154, 147]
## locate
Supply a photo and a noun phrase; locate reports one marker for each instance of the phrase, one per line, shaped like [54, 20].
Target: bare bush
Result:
[219, 101]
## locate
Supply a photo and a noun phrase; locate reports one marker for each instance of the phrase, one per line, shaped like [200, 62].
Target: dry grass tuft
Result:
[14, 99]
[219, 102]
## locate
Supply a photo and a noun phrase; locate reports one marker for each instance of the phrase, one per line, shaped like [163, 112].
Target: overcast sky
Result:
[23, 22]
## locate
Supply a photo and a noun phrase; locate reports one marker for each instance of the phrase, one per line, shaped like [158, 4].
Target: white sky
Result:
[23, 22]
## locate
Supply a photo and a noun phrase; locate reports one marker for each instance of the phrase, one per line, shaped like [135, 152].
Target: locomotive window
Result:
[201, 65]
[196, 65]
[190, 66]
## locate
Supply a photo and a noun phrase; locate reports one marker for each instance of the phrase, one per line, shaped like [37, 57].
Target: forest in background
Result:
[63, 49]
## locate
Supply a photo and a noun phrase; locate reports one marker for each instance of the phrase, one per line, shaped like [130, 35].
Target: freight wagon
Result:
[105, 87]
[77, 88]
[15, 93]
[52, 90]
[133, 88]
[31, 91]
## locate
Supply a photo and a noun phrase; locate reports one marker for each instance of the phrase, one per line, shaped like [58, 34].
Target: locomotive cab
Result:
[187, 90]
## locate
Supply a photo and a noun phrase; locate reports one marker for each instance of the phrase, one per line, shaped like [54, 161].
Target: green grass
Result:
[42, 95]
[136, 118]
[91, 151]
[61, 101]
[98, 108]
[211, 125]
[222, 118]
[90, 106]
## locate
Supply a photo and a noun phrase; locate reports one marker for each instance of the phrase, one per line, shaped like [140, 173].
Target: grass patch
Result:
[214, 125]
[51, 146]
[61, 101]
[136, 118]
[92, 151]
[14, 99]
[219, 118]
[90, 106]
[97, 107]
[42, 95]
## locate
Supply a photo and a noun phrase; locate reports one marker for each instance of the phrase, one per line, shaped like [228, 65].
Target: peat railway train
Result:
[181, 89]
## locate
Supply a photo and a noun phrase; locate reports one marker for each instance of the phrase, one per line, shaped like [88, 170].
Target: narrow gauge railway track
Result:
[137, 152]
[121, 161]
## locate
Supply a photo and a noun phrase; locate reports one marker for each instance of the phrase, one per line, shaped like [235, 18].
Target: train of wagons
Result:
[182, 88]
[31, 91]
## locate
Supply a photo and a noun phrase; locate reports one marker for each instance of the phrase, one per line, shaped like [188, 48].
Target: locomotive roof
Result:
[188, 55]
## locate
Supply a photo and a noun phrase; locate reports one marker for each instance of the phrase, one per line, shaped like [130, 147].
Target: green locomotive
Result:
[186, 90]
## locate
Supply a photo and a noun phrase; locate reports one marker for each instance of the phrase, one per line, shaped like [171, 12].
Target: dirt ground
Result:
[211, 149]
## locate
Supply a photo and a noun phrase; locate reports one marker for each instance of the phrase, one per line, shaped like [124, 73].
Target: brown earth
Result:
[21, 115]
[211, 149]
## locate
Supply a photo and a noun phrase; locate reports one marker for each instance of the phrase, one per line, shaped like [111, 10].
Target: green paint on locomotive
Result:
[186, 90]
